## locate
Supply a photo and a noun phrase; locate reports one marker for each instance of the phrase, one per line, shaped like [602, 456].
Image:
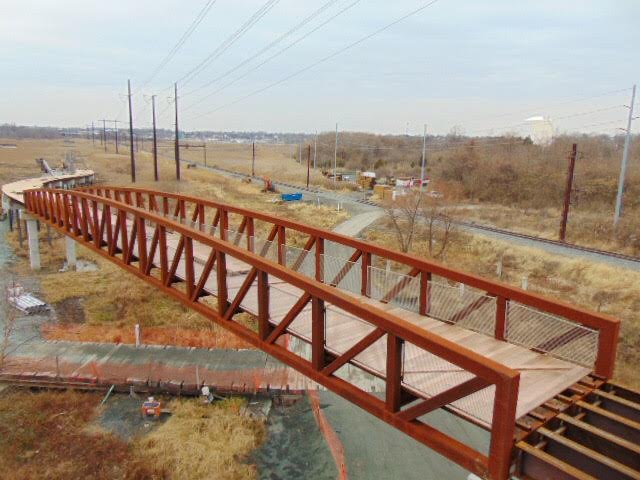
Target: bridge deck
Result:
[542, 376]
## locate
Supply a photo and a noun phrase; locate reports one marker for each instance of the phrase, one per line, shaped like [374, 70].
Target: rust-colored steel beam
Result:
[398, 332]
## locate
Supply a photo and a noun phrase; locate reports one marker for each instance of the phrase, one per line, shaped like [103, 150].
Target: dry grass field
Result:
[55, 436]
[104, 305]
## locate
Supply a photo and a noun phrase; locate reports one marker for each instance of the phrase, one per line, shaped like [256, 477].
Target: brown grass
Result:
[52, 435]
[43, 436]
[111, 301]
[204, 441]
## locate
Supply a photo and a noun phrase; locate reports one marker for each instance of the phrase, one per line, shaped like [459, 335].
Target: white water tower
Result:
[539, 129]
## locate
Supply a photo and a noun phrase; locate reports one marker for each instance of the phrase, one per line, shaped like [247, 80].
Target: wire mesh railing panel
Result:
[463, 306]
[236, 238]
[345, 275]
[264, 248]
[551, 334]
[400, 290]
[337, 250]
[431, 375]
[300, 260]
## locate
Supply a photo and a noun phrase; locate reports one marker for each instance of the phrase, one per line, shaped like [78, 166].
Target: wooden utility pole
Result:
[93, 135]
[567, 192]
[177, 145]
[133, 157]
[253, 159]
[155, 139]
[204, 151]
[104, 134]
[308, 164]
[115, 126]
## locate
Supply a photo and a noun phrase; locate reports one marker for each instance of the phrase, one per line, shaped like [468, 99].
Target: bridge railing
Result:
[190, 264]
[426, 287]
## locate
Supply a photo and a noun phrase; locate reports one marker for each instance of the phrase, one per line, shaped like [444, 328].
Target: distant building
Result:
[539, 129]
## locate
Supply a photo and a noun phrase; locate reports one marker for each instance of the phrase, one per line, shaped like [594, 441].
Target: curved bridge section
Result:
[433, 337]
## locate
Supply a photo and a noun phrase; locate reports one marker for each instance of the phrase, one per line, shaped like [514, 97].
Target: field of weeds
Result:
[56, 435]
[108, 301]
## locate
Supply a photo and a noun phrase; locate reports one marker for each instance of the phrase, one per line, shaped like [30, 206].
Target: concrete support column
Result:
[34, 244]
[70, 247]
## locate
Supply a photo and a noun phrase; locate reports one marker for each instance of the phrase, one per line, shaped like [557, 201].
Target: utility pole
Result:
[315, 150]
[104, 134]
[423, 168]
[567, 192]
[625, 159]
[335, 158]
[253, 159]
[133, 158]
[204, 151]
[177, 145]
[308, 163]
[93, 135]
[155, 138]
[115, 125]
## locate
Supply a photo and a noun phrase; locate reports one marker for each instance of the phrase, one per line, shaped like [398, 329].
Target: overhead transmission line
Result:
[324, 59]
[563, 102]
[275, 42]
[181, 41]
[276, 54]
[228, 42]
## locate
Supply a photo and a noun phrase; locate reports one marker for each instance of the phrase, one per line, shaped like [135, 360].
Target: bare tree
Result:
[439, 227]
[403, 214]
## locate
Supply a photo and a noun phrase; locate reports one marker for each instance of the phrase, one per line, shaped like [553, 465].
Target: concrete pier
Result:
[70, 247]
[34, 244]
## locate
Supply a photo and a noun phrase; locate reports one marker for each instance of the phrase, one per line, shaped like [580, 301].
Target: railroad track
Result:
[462, 223]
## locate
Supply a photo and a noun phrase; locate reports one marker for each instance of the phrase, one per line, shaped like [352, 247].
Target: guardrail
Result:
[504, 312]
[139, 241]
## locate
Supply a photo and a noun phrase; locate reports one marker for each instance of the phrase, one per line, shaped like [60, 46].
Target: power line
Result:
[228, 42]
[276, 54]
[324, 59]
[185, 36]
[275, 42]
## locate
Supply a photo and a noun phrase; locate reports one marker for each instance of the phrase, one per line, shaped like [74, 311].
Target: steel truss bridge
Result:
[349, 314]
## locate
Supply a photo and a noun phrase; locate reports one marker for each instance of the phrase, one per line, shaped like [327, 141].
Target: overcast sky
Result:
[484, 66]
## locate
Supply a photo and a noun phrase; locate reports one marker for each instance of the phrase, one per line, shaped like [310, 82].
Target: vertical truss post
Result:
[319, 258]
[282, 240]
[250, 233]
[142, 244]
[188, 266]
[223, 223]
[164, 261]
[318, 319]
[221, 271]
[394, 372]
[503, 427]
[264, 328]
[366, 263]
[501, 318]
[425, 300]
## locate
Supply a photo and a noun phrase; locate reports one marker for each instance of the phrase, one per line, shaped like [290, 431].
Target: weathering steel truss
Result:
[211, 257]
